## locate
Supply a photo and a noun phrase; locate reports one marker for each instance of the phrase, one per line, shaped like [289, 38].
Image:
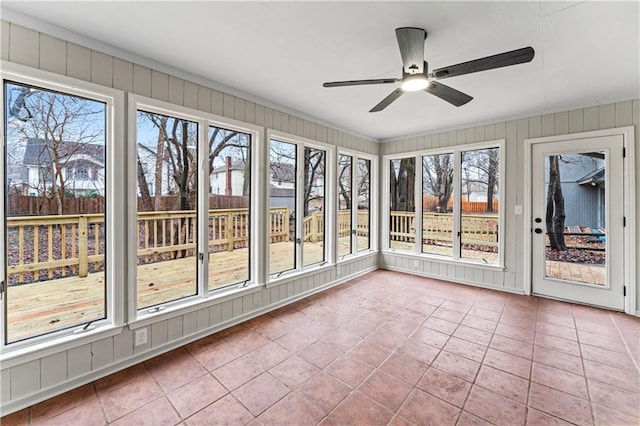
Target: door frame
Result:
[629, 202]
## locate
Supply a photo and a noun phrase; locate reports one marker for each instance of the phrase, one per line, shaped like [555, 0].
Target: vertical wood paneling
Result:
[101, 69]
[5, 31]
[25, 379]
[624, 114]
[53, 370]
[159, 333]
[190, 95]
[591, 121]
[228, 105]
[78, 62]
[176, 90]
[122, 75]
[141, 80]
[237, 307]
[189, 323]
[607, 116]
[174, 328]
[215, 314]
[247, 303]
[259, 115]
[24, 46]
[5, 389]
[250, 114]
[268, 117]
[202, 319]
[535, 127]
[123, 345]
[159, 86]
[204, 99]
[101, 353]
[548, 125]
[277, 120]
[239, 113]
[576, 121]
[490, 132]
[217, 102]
[53, 54]
[562, 123]
[480, 134]
[79, 360]
[226, 310]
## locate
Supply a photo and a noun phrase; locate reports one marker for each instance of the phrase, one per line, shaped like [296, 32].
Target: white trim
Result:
[628, 134]
[434, 258]
[114, 181]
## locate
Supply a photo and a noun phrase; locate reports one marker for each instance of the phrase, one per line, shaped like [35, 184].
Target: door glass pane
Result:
[402, 214]
[55, 187]
[480, 204]
[313, 203]
[229, 207]
[344, 204]
[167, 208]
[364, 204]
[282, 202]
[437, 204]
[575, 217]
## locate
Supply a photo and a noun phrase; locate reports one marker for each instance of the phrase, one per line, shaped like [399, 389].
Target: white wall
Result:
[27, 380]
[514, 132]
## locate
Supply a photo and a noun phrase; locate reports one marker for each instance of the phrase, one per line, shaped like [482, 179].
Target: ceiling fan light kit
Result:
[415, 75]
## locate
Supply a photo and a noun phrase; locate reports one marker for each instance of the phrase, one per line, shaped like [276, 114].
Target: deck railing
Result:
[480, 229]
[48, 247]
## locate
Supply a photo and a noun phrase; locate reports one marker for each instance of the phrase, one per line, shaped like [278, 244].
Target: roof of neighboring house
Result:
[235, 165]
[283, 172]
[38, 152]
[595, 177]
[281, 192]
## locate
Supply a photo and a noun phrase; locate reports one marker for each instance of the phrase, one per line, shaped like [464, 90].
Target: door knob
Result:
[538, 231]
[537, 220]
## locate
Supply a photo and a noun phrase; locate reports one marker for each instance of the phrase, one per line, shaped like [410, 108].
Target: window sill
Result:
[353, 257]
[28, 351]
[299, 274]
[440, 259]
[213, 298]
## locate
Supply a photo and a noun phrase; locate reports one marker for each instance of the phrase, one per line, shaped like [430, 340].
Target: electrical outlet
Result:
[140, 337]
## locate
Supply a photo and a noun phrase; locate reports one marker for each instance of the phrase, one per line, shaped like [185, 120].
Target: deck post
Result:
[230, 231]
[83, 260]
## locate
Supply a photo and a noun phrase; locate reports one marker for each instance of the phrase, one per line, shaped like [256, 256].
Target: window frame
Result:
[373, 201]
[330, 213]
[140, 317]
[115, 261]
[456, 150]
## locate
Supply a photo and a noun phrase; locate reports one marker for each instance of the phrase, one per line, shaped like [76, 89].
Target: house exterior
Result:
[147, 157]
[228, 179]
[82, 166]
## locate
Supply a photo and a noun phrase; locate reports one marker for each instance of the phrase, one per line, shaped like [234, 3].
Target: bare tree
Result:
[555, 214]
[480, 170]
[64, 128]
[438, 178]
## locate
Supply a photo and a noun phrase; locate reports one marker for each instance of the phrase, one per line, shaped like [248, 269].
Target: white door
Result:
[585, 177]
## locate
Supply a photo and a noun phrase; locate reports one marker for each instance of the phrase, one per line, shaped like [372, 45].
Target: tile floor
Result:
[385, 348]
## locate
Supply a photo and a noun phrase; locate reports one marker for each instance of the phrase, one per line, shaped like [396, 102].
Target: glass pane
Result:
[313, 219]
[480, 204]
[437, 204]
[229, 207]
[167, 208]
[282, 202]
[344, 204]
[364, 204]
[402, 215]
[55, 166]
[575, 220]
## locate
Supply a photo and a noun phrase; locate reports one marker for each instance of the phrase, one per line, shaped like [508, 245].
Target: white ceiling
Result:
[587, 53]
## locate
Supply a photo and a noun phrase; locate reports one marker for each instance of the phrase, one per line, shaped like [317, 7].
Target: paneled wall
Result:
[28, 380]
[515, 132]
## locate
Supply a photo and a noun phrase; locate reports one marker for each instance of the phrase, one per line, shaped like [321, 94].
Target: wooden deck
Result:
[42, 307]
[576, 272]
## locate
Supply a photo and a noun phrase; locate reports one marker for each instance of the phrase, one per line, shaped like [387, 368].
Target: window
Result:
[353, 205]
[229, 229]
[59, 268]
[460, 207]
[297, 204]
[167, 223]
[402, 212]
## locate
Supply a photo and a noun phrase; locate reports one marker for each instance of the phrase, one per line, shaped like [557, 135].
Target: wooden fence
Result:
[430, 204]
[25, 205]
[480, 230]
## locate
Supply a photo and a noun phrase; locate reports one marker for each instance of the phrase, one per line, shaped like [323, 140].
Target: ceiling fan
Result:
[415, 74]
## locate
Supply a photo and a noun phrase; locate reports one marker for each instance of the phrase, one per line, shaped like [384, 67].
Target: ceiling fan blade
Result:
[360, 82]
[411, 43]
[387, 101]
[518, 56]
[453, 96]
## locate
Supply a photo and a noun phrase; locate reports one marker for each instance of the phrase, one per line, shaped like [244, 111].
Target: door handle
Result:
[538, 231]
